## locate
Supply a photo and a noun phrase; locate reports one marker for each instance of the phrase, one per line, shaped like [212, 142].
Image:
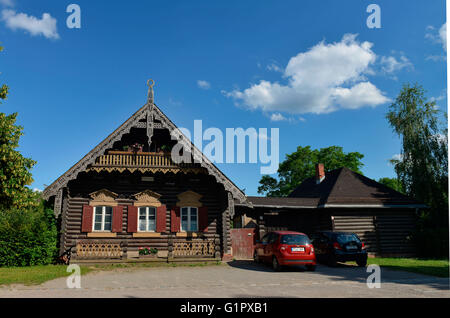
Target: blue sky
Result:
[72, 87]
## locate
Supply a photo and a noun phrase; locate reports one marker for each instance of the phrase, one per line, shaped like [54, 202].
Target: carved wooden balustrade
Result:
[96, 250]
[143, 161]
[193, 248]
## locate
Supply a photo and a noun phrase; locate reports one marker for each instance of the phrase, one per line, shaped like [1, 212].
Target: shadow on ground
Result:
[348, 272]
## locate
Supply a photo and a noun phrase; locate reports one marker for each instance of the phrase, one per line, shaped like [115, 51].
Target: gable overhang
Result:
[55, 189]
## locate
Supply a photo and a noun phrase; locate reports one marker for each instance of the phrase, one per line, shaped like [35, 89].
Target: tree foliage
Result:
[392, 183]
[28, 236]
[300, 165]
[15, 169]
[423, 165]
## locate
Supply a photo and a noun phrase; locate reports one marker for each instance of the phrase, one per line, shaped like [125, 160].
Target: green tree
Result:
[392, 183]
[300, 165]
[423, 167]
[15, 169]
[28, 236]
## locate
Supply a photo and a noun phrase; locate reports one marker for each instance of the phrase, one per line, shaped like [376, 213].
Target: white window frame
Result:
[147, 210]
[189, 213]
[103, 207]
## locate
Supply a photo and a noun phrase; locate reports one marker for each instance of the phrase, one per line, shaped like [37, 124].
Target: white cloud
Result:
[443, 35]
[7, 3]
[323, 79]
[395, 159]
[45, 26]
[203, 84]
[390, 64]
[277, 117]
[274, 67]
[437, 36]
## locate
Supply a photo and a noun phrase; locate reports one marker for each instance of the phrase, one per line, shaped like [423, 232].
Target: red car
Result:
[285, 248]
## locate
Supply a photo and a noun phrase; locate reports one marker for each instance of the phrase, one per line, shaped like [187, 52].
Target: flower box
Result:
[146, 252]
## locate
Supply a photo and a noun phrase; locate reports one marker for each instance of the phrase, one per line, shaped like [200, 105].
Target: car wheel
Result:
[256, 257]
[311, 268]
[362, 262]
[275, 265]
[332, 260]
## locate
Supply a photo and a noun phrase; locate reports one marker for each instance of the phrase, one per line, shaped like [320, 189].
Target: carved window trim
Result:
[189, 199]
[147, 198]
[103, 197]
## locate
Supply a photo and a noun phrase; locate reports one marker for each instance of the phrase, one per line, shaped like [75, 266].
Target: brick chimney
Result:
[320, 173]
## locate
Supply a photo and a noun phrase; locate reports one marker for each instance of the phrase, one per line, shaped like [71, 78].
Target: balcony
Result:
[141, 161]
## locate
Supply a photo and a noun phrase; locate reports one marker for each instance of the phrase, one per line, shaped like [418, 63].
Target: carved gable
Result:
[147, 198]
[189, 198]
[103, 197]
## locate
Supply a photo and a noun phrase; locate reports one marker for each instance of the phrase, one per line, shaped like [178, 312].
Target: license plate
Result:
[298, 249]
[352, 247]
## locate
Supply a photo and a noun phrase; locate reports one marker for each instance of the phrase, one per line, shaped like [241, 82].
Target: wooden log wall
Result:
[125, 185]
[384, 231]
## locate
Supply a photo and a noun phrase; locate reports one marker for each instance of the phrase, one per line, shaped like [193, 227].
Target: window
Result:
[103, 218]
[189, 219]
[147, 219]
[273, 238]
[346, 238]
[295, 239]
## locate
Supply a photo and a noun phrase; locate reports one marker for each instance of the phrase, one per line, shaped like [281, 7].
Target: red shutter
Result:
[88, 216]
[175, 219]
[117, 219]
[132, 218]
[203, 219]
[161, 219]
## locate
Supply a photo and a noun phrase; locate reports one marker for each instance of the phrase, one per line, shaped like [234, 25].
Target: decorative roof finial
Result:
[150, 84]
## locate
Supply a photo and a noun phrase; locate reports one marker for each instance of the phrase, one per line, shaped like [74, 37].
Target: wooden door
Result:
[243, 243]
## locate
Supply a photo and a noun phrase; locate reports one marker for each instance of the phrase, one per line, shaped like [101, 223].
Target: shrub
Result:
[28, 236]
[431, 243]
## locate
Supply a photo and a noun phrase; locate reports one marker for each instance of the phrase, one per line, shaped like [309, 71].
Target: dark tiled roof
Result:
[345, 187]
[341, 187]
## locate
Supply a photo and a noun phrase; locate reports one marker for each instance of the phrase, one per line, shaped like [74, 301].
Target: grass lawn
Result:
[439, 268]
[35, 275]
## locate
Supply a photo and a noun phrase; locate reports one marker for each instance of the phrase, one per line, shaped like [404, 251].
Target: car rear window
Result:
[294, 239]
[346, 238]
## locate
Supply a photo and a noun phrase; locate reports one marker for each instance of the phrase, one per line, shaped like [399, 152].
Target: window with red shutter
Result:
[175, 219]
[161, 219]
[87, 218]
[117, 219]
[132, 219]
[203, 219]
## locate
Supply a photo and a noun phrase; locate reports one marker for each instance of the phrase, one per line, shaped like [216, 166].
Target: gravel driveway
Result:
[238, 279]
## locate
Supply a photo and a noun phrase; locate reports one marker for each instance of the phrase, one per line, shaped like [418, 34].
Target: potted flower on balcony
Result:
[137, 148]
[166, 148]
[146, 252]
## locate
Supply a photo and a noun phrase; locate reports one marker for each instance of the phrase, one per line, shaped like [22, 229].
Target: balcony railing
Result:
[122, 159]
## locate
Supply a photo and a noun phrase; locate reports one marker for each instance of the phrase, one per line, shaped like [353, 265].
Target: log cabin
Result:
[127, 195]
[339, 200]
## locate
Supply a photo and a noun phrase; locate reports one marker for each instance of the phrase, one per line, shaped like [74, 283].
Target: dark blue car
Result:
[333, 247]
